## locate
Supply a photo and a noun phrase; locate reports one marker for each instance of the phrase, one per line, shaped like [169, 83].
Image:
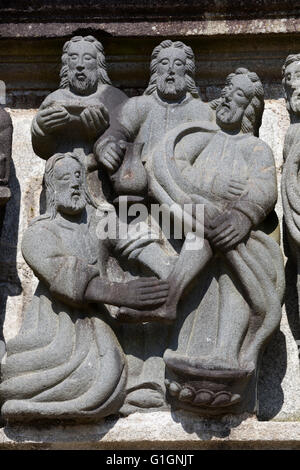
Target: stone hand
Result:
[52, 118]
[144, 293]
[229, 188]
[228, 229]
[111, 156]
[236, 187]
[95, 120]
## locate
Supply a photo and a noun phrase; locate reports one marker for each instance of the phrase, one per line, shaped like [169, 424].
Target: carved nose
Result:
[75, 184]
[79, 67]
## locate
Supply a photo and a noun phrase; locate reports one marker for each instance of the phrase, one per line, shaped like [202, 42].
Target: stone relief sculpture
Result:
[190, 326]
[6, 130]
[236, 281]
[170, 99]
[291, 155]
[73, 117]
[66, 362]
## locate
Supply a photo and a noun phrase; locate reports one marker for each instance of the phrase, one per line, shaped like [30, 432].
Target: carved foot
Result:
[130, 315]
[202, 396]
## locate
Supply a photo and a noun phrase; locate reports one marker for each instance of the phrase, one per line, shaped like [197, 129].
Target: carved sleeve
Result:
[124, 124]
[43, 145]
[66, 276]
[261, 192]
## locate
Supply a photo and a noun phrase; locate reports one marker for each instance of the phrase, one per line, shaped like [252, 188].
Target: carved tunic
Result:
[65, 362]
[239, 290]
[147, 119]
[72, 136]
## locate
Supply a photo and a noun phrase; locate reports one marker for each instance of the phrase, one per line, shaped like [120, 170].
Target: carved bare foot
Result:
[201, 397]
[161, 314]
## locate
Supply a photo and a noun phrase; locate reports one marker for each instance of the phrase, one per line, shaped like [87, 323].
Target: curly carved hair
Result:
[190, 66]
[251, 121]
[102, 69]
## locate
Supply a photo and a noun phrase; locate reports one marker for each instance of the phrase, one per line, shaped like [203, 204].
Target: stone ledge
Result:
[161, 430]
[153, 28]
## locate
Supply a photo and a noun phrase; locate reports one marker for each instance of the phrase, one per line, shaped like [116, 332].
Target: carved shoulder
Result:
[258, 152]
[112, 97]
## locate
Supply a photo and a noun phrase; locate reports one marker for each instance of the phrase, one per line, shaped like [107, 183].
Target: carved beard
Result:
[294, 101]
[171, 87]
[72, 203]
[83, 83]
[228, 113]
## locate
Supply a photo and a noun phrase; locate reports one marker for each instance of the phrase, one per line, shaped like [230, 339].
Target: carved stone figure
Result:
[291, 154]
[291, 84]
[5, 158]
[170, 99]
[66, 362]
[233, 305]
[76, 115]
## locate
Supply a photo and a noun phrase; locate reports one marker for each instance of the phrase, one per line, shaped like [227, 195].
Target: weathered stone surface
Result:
[279, 384]
[158, 430]
[51, 19]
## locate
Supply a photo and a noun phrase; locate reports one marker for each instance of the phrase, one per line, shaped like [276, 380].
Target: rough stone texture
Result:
[151, 18]
[26, 179]
[30, 70]
[161, 430]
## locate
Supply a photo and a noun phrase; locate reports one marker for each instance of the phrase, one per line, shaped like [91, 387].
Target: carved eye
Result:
[73, 56]
[164, 61]
[77, 174]
[178, 63]
[66, 177]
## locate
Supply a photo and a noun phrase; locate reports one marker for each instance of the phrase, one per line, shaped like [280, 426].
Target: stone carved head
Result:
[291, 83]
[65, 184]
[83, 65]
[172, 71]
[242, 102]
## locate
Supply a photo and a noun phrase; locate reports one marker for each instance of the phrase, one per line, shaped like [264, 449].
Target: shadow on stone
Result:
[272, 372]
[10, 284]
[208, 428]
[58, 431]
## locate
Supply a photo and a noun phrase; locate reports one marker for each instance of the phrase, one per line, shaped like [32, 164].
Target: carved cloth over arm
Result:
[258, 261]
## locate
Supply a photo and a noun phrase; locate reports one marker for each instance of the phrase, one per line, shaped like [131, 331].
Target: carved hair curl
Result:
[190, 66]
[102, 69]
[251, 121]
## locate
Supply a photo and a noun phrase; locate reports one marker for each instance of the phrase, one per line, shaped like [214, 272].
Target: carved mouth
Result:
[170, 80]
[80, 76]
